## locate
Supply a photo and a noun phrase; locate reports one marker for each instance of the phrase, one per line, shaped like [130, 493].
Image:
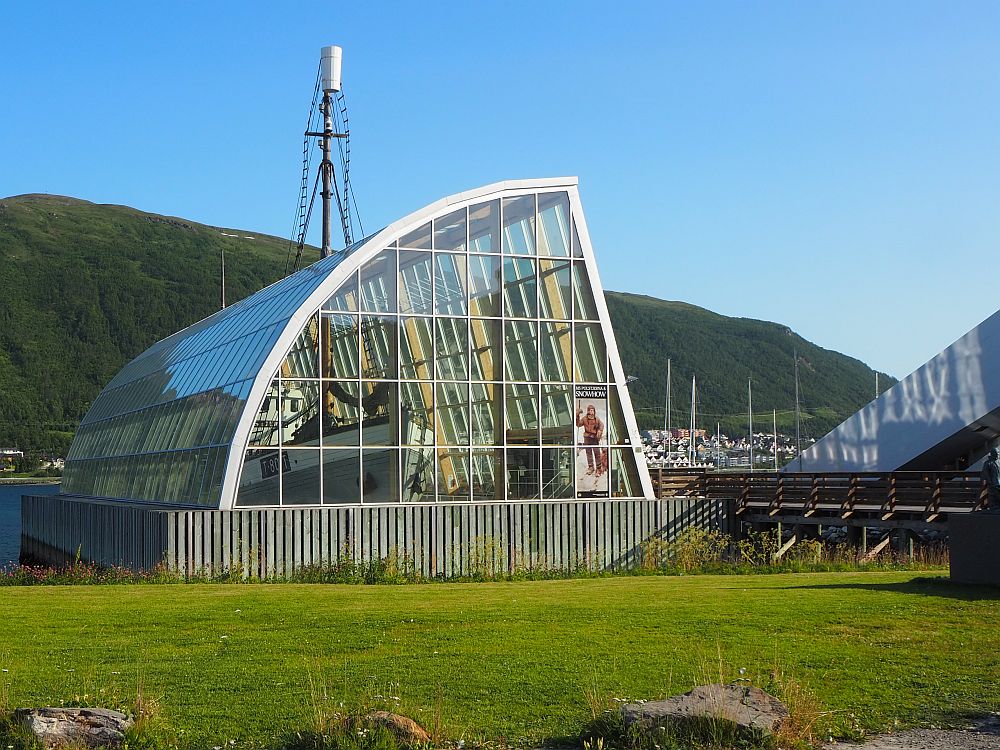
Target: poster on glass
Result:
[591, 441]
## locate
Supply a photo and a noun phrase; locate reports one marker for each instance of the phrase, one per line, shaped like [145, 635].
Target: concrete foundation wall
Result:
[437, 540]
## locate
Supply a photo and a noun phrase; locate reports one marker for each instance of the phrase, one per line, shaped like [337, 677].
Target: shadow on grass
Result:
[924, 586]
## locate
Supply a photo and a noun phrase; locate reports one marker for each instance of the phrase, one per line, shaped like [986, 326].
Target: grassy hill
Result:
[87, 287]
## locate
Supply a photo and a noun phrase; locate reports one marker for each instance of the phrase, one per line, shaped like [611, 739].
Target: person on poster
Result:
[593, 432]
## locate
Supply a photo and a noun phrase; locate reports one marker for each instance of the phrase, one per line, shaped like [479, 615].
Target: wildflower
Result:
[743, 670]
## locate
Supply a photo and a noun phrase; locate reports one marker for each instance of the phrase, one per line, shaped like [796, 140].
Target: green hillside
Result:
[86, 287]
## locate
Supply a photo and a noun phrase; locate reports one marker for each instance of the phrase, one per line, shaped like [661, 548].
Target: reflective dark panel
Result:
[265, 427]
[583, 297]
[380, 481]
[341, 423]
[379, 412]
[522, 474]
[418, 475]
[487, 467]
[557, 414]
[453, 474]
[339, 337]
[591, 352]
[300, 412]
[452, 408]
[452, 348]
[521, 414]
[341, 476]
[378, 347]
[300, 472]
[557, 473]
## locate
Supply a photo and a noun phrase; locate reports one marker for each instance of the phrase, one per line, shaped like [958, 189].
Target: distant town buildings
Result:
[669, 449]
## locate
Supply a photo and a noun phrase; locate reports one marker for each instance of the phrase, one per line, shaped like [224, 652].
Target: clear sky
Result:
[832, 166]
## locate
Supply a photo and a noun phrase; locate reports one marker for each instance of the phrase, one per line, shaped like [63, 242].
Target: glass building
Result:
[462, 354]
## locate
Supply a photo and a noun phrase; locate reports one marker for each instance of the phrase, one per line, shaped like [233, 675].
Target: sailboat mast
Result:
[750, 418]
[666, 415]
[798, 446]
[774, 416]
[691, 451]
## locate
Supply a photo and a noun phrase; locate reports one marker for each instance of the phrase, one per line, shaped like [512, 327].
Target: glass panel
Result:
[300, 412]
[519, 225]
[556, 351]
[417, 413]
[485, 414]
[378, 347]
[520, 354]
[378, 283]
[617, 431]
[554, 291]
[259, 479]
[449, 231]
[300, 477]
[453, 474]
[590, 353]
[417, 348]
[486, 466]
[522, 474]
[380, 417]
[340, 346]
[341, 413]
[625, 476]
[521, 414]
[484, 285]
[418, 475]
[301, 360]
[345, 299]
[486, 335]
[453, 413]
[557, 415]
[415, 282]
[380, 483]
[553, 224]
[418, 238]
[265, 426]
[484, 227]
[520, 286]
[583, 297]
[449, 283]
[577, 247]
[341, 474]
[557, 473]
[451, 348]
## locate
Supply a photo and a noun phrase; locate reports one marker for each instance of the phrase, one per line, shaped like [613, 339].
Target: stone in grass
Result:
[746, 706]
[406, 729]
[74, 727]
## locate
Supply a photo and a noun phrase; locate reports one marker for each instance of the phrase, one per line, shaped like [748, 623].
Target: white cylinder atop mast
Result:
[330, 63]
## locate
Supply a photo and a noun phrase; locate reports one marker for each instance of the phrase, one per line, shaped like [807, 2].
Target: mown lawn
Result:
[522, 661]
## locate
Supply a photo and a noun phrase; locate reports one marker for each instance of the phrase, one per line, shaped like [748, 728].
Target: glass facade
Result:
[464, 360]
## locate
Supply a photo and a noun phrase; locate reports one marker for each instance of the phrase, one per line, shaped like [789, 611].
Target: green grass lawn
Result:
[522, 661]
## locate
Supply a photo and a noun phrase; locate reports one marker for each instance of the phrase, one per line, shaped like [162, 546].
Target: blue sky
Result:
[831, 166]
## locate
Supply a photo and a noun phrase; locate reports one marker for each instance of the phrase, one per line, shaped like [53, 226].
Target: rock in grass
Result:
[74, 727]
[405, 728]
[746, 706]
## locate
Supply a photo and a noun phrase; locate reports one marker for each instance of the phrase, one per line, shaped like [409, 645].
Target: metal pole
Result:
[666, 417]
[750, 416]
[223, 288]
[798, 445]
[774, 416]
[691, 451]
[326, 168]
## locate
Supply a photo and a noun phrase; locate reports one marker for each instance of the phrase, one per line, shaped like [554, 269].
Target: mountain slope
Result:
[84, 288]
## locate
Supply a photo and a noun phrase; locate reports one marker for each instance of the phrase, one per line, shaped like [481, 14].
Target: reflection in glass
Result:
[301, 360]
[522, 474]
[484, 227]
[417, 413]
[378, 283]
[484, 285]
[449, 284]
[557, 473]
[553, 224]
[380, 483]
[624, 474]
[555, 345]
[521, 414]
[416, 348]
[519, 288]
[520, 354]
[554, 289]
[378, 346]
[577, 247]
[345, 299]
[486, 338]
[617, 432]
[557, 415]
[583, 297]
[341, 474]
[300, 412]
[486, 466]
[265, 427]
[591, 354]
[449, 231]
[415, 282]
[339, 334]
[257, 486]
[453, 413]
[519, 225]
[418, 475]
[418, 238]
[341, 413]
[453, 474]
[485, 414]
[300, 477]
[379, 413]
[451, 349]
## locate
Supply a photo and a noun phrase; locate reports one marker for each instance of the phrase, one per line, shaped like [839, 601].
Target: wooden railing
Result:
[885, 495]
